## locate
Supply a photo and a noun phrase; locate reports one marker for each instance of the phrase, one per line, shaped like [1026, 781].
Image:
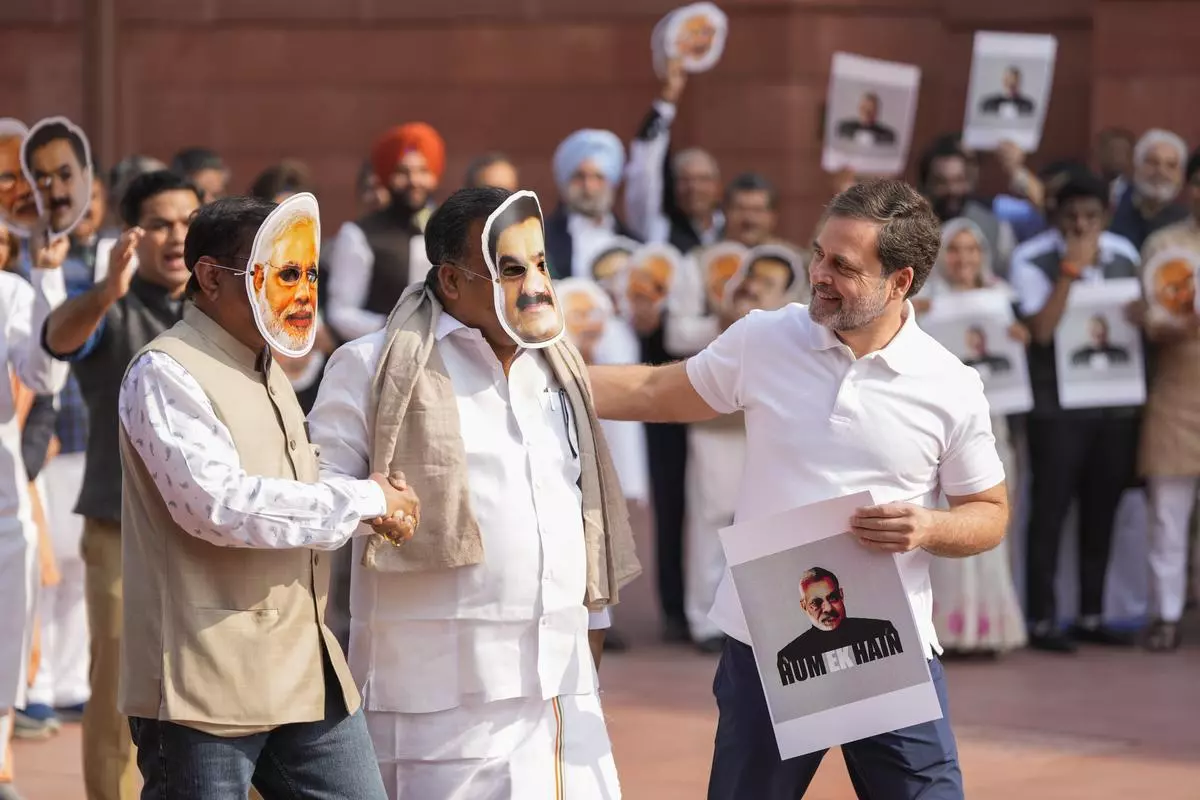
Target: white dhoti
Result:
[62, 678]
[716, 455]
[19, 578]
[520, 749]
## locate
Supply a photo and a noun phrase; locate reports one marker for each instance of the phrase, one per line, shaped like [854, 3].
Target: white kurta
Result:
[21, 319]
[471, 677]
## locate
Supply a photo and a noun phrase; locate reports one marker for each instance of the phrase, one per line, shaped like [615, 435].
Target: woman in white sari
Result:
[975, 606]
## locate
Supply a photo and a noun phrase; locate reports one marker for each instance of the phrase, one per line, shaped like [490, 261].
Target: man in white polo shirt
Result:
[843, 395]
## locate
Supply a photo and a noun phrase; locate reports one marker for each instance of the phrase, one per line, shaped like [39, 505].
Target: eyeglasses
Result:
[509, 272]
[817, 603]
[289, 275]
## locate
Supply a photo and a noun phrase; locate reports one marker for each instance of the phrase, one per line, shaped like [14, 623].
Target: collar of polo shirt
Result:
[903, 354]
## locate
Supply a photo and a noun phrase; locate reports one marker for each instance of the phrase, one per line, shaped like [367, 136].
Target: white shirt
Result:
[644, 185]
[198, 472]
[1029, 282]
[351, 262]
[515, 625]
[907, 422]
[23, 313]
[587, 238]
[626, 440]
[690, 326]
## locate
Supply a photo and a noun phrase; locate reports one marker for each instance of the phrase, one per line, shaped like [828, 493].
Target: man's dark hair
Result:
[517, 212]
[448, 228]
[224, 231]
[751, 182]
[190, 160]
[946, 146]
[1109, 134]
[815, 574]
[286, 176]
[479, 164]
[909, 231]
[52, 132]
[1081, 185]
[779, 259]
[151, 184]
[125, 171]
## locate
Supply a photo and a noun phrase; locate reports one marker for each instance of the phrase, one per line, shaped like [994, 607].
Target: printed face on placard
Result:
[282, 280]
[18, 206]
[57, 161]
[1175, 286]
[587, 311]
[650, 275]
[514, 247]
[720, 268]
[696, 35]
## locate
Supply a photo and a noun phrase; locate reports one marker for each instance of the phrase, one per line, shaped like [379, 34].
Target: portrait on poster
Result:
[587, 310]
[514, 247]
[282, 278]
[718, 264]
[767, 278]
[651, 274]
[870, 109]
[608, 262]
[1169, 283]
[18, 206]
[977, 327]
[695, 34]
[1098, 351]
[834, 637]
[1009, 89]
[57, 162]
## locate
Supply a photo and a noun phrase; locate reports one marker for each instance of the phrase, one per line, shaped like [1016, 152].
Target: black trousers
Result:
[666, 446]
[1092, 460]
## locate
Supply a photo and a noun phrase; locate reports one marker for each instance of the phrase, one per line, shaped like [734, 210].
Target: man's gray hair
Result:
[815, 574]
[695, 154]
[1156, 136]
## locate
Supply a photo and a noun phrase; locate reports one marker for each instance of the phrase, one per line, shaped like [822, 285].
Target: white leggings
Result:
[1171, 503]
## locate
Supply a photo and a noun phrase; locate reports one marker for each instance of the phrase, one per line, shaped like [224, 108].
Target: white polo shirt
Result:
[908, 422]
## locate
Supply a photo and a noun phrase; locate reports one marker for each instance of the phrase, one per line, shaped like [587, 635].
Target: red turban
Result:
[391, 147]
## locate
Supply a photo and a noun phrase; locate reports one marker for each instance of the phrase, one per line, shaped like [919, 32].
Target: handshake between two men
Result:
[403, 514]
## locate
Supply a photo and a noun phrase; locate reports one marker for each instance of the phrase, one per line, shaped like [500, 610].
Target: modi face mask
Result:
[18, 206]
[282, 279]
[514, 247]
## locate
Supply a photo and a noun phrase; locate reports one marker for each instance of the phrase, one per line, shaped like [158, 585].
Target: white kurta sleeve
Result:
[198, 472]
[644, 176]
[337, 423]
[689, 328]
[35, 367]
[351, 263]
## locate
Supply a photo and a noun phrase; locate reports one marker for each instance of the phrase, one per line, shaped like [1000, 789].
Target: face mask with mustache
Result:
[527, 300]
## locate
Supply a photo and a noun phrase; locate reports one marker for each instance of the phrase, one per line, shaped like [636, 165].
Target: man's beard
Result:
[1157, 192]
[842, 315]
[594, 207]
[279, 332]
[410, 200]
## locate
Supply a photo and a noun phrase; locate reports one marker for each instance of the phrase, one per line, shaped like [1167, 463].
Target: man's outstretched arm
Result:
[647, 394]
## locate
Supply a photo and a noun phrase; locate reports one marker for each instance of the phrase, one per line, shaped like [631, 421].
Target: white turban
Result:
[603, 147]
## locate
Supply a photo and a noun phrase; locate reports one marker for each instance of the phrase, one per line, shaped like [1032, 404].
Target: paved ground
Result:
[1102, 724]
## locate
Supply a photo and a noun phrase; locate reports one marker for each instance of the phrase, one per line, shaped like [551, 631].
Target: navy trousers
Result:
[915, 763]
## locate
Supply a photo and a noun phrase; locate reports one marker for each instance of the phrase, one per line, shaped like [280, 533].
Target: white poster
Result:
[1009, 90]
[978, 327]
[1098, 352]
[833, 633]
[869, 115]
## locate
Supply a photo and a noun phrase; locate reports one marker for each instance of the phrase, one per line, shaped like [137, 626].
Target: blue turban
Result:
[603, 147]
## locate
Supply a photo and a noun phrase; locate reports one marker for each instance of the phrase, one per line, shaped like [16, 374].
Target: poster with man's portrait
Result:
[1009, 90]
[57, 161]
[1098, 351]
[587, 310]
[834, 636]
[282, 276]
[18, 206]
[767, 279]
[607, 264]
[869, 115]
[718, 264]
[650, 275]
[514, 247]
[695, 34]
[977, 326]
[1169, 283]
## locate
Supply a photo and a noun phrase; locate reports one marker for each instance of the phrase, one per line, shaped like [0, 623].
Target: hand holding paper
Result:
[892, 527]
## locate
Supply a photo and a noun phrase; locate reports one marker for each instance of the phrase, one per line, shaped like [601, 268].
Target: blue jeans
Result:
[918, 762]
[328, 760]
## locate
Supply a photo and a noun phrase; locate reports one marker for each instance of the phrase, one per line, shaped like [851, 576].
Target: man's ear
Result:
[260, 276]
[206, 273]
[448, 280]
[904, 281]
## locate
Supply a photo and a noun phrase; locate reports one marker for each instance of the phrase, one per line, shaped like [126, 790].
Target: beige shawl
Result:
[415, 430]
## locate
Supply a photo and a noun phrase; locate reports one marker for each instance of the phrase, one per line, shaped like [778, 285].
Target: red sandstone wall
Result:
[317, 79]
